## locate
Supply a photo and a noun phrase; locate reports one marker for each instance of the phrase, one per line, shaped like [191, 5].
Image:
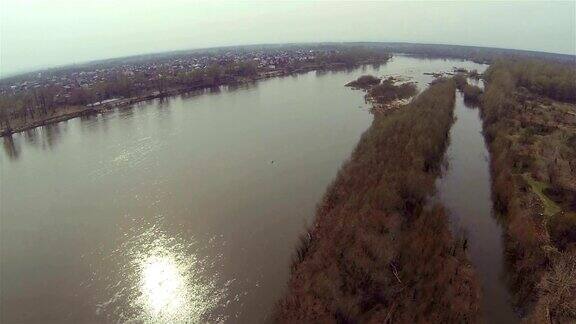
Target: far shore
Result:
[70, 112]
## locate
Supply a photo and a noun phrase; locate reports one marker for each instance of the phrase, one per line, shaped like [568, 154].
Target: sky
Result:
[38, 34]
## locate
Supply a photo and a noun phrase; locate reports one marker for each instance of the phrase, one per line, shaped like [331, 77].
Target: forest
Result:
[529, 115]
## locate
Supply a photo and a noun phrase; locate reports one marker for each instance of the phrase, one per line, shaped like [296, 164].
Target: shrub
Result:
[562, 227]
[559, 288]
[364, 82]
[471, 93]
[460, 79]
[474, 74]
[387, 91]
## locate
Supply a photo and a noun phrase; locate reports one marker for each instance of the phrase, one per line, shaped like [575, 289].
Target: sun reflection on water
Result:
[163, 288]
[163, 280]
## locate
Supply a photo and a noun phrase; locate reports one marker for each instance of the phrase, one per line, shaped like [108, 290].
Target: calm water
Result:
[175, 210]
[465, 191]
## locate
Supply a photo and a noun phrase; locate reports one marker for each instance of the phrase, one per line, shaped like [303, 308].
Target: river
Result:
[187, 208]
[465, 190]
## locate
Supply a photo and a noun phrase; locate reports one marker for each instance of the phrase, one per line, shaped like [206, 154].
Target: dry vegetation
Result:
[364, 82]
[529, 114]
[388, 91]
[386, 94]
[471, 93]
[378, 252]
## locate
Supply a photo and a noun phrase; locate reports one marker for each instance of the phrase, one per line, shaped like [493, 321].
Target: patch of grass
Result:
[538, 187]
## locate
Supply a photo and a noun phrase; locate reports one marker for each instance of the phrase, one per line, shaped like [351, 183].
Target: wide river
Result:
[188, 208]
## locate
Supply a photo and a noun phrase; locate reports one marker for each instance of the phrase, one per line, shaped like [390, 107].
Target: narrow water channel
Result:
[465, 191]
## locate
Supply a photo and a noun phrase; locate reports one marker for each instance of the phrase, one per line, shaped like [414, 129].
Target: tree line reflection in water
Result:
[49, 136]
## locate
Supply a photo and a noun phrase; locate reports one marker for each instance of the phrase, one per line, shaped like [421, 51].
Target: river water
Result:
[465, 190]
[188, 208]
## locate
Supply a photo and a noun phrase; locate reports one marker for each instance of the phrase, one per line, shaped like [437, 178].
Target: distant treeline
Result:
[43, 102]
[45, 99]
[531, 135]
[551, 79]
[377, 252]
[475, 53]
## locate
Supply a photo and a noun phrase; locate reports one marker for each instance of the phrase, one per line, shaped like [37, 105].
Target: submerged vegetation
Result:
[364, 82]
[378, 251]
[388, 91]
[529, 113]
[471, 93]
[384, 94]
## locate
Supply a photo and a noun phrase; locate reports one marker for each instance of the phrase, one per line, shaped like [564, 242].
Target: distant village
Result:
[64, 82]
[41, 97]
[37, 98]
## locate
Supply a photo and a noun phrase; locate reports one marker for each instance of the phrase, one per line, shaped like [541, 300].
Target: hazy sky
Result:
[43, 33]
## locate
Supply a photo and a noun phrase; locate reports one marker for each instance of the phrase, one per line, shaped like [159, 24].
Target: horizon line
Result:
[114, 58]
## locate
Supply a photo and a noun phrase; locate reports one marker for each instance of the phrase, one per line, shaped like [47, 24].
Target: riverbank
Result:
[532, 141]
[69, 112]
[378, 251]
[64, 113]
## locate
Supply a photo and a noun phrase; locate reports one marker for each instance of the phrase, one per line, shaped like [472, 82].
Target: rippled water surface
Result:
[186, 209]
